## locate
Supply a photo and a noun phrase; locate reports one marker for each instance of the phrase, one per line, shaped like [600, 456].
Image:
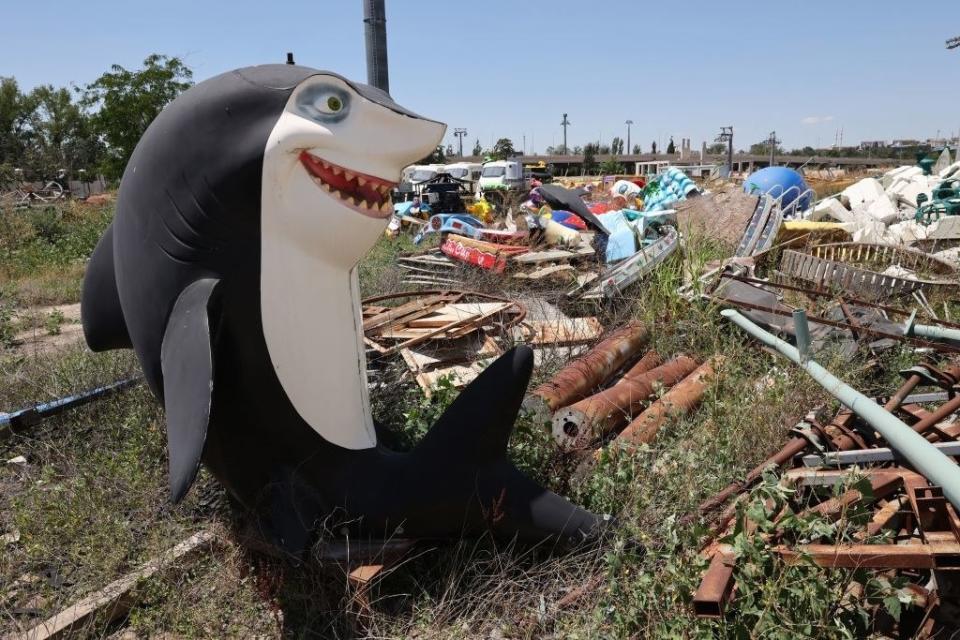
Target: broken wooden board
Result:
[117, 599]
[546, 272]
[560, 331]
[551, 255]
[460, 375]
[426, 357]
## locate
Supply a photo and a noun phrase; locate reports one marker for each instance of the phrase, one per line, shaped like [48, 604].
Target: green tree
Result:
[637, 150]
[503, 149]
[616, 146]
[671, 148]
[126, 102]
[477, 149]
[589, 157]
[611, 167]
[15, 110]
[717, 147]
[653, 147]
[62, 135]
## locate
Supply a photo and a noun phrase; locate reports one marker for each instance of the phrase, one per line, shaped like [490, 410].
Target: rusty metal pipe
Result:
[716, 587]
[577, 425]
[590, 371]
[681, 399]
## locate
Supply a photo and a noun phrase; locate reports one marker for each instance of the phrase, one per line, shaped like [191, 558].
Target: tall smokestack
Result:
[375, 29]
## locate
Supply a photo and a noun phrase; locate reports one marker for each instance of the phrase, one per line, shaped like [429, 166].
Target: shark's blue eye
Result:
[323, 102]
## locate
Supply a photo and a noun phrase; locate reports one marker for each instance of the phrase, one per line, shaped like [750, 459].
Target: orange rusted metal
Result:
[679, 400]
[590, 371]
[577, 425]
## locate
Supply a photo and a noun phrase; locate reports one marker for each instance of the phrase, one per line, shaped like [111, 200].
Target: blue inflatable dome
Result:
[778, 181]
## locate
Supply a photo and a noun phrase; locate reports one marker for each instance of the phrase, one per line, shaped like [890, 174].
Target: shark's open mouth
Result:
[364, 193]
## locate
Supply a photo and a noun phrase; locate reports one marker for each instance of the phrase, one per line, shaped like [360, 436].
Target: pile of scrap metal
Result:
[883, 470]
[840, 318]
[596, 250]
[455, 334]
[607, 397]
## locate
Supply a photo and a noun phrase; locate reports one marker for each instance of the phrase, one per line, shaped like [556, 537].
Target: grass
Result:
[90, 502]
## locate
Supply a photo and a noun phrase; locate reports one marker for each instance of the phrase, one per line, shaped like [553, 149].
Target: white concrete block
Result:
[864, 192]
[950, 170]
[884, 210]
[831, 209]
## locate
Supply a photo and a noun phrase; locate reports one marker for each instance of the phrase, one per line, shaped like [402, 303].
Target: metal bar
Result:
[9, 422]
[933, 464]
[870, 456]
[936, 555]
[803, 334]
[716, 587]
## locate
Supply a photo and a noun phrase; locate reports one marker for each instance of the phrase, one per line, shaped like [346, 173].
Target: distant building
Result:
[899, 144]
[873, 144]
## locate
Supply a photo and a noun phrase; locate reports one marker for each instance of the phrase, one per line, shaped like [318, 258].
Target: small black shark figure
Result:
[230, 269]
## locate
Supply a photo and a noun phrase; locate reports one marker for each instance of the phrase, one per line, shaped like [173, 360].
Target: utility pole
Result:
[460, 133]
[726, 135]
[375, 30]
[565, 124]
[629, 122]
[773, 142]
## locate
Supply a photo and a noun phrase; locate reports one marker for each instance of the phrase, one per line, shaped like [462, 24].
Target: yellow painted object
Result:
[482, 210]
[820, 231]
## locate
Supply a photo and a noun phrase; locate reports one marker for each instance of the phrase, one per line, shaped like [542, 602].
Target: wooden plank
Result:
[116, 599]
[545, 272]
[451, 312]
[560, 331]
[535, 257]
[424, 359]
[420, 306]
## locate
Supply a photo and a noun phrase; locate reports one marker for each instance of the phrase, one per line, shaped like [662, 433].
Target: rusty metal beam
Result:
[716, 587]
[935, 555]
[577, 425]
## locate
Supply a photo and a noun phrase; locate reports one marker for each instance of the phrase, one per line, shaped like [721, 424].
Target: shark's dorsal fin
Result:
[187, 361]
[477, 426]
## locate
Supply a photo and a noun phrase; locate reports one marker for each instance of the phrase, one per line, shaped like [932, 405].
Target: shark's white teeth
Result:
[338, 194]
[361, 180]
[351, 202]
[348, 175]
[337, 170]
[386, 207]
[363, 203]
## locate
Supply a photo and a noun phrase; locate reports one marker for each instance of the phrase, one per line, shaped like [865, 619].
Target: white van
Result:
[466, 171]
[502, 174]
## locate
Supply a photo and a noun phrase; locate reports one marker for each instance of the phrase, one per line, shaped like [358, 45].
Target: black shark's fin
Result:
[103, 323]
[187, 361]
[479, 422]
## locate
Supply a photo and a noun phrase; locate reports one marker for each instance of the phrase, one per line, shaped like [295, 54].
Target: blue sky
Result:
[876, 68]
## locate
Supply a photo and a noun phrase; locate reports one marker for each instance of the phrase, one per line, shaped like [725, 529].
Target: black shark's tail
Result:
[468, 449]
[103, 323]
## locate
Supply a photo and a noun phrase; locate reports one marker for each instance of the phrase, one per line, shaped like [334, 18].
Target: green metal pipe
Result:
[927, 459]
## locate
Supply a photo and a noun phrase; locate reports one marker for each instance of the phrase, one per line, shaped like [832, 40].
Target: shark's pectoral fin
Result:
[187, 361]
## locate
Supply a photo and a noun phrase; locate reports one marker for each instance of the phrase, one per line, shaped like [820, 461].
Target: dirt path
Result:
[46, 335]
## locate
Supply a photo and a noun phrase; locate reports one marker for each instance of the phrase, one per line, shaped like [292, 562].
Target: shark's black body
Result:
[177, 278]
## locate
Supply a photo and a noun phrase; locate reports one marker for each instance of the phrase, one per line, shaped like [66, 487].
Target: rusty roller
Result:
[575, 426]
[679, 400]
[578, 378]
